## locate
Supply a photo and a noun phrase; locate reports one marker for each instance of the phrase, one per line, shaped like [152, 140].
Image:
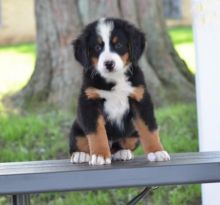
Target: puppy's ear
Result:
[136, 43]
[81, 52]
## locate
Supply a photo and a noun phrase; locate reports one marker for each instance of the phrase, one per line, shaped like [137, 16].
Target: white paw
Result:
[124, 154]
[158, 156]
[79, 157]
[99, 160]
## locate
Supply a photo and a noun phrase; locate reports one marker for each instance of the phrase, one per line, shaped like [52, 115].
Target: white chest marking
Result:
[116, 103]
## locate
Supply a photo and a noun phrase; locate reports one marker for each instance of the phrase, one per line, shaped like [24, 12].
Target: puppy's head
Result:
[110, 46]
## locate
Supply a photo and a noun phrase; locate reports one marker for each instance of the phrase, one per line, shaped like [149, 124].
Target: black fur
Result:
[89, 110]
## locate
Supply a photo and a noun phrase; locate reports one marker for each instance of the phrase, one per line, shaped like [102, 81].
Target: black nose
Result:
[109, 65]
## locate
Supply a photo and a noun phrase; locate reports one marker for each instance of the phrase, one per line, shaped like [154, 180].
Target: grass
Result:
[42, 136]
[27, 137]
[182, 38]
[16, 66]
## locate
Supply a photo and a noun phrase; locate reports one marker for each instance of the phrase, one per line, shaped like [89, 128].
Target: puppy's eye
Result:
[118, 45]
[98, 48]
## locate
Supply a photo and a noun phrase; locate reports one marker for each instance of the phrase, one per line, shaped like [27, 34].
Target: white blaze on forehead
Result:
[104, 29]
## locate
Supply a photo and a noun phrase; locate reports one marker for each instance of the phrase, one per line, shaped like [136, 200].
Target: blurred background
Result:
[40, 81]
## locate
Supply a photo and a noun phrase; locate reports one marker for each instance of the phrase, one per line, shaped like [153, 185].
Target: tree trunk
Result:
[57, 77]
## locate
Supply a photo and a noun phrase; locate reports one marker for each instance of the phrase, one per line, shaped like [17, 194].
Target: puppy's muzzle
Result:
[109, 65]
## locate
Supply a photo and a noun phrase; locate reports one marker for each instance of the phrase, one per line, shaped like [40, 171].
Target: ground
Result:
[41, 136]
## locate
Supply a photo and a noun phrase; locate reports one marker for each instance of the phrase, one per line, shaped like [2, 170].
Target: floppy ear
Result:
[81, 52]
[136, 43]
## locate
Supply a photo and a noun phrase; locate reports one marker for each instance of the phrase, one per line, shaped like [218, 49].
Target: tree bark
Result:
[57, 77]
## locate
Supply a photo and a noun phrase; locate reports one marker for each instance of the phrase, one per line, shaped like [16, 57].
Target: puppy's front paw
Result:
[99, 160]
[79, 157]
[158, 156]
[124, 155]
[92, 93]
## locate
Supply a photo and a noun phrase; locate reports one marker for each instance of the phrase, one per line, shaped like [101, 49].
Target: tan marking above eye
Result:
[114, 39]
[99, 40]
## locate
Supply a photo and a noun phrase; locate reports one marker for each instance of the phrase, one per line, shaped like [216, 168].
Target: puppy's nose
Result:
[109, 65]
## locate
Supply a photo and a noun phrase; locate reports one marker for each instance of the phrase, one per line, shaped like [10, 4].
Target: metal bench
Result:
[19, 179]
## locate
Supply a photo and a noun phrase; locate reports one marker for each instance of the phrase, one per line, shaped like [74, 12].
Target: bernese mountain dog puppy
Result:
[115, 110]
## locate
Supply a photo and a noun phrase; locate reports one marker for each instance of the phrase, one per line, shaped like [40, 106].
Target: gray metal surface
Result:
[61, 175]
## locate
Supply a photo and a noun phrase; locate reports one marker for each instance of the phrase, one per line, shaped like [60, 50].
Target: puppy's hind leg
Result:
[146, 126]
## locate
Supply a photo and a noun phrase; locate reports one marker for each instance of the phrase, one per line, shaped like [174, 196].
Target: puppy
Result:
[115, 110]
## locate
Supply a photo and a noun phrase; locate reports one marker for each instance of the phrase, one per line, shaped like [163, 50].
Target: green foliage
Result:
[32, 137]
[16, 66]
[28, 48]
[105, 197]
[44, 136]
[178, 128]
[181, 35]
[182, 38]
[177, 195]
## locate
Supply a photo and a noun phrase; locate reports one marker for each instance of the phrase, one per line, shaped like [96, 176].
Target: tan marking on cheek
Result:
[150, 140]
[94, 61]
[82, 144]
[129, 143]
[138, 93]
[114, 39]
[125, 58]
[98, 142]
[92, 93]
